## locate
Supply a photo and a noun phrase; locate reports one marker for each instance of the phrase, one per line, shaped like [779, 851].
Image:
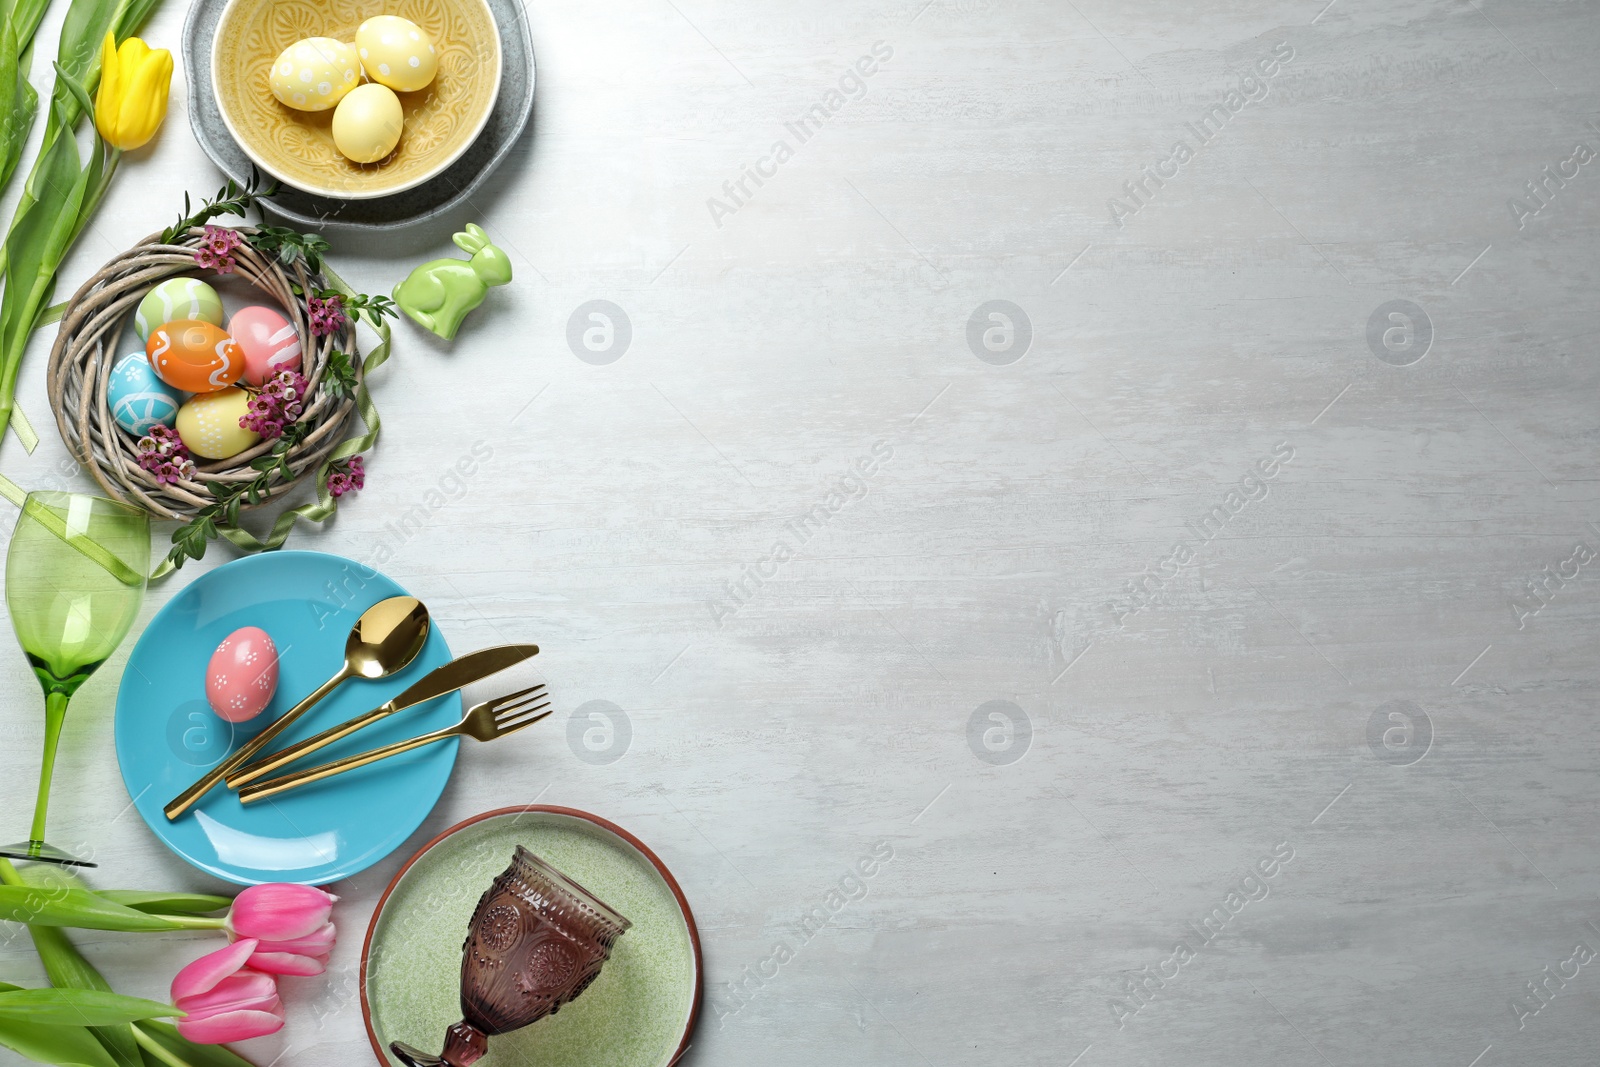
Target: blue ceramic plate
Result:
[167, 735]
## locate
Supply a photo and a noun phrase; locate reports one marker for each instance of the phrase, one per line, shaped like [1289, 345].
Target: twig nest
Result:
[86, 350]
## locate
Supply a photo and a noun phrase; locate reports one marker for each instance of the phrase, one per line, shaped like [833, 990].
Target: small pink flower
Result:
[327, 314]
[280, 402]
[163, 453]
[216, 248]
[224, 999]
[347, 478]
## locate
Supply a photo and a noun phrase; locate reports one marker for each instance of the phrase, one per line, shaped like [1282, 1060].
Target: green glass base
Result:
[39, 852]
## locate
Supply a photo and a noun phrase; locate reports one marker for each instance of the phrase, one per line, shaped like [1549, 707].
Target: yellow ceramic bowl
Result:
[441, 121]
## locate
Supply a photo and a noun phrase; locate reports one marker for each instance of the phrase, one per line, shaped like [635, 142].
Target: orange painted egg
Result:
[194, 356]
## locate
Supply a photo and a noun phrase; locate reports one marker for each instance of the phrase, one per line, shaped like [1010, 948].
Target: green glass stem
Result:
[55, 714]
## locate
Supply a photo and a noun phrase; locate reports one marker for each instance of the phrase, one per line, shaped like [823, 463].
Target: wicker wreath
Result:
[86, 349]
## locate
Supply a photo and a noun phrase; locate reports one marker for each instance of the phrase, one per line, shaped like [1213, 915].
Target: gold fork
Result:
[485, 722]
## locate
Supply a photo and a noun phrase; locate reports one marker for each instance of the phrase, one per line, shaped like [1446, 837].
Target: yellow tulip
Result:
[132, 100]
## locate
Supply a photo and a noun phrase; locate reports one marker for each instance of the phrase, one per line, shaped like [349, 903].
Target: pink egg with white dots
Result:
[269, 342]
[242, 674]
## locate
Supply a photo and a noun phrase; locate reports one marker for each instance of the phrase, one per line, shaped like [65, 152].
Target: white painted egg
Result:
[137, 398]
[315, 74]
[177, 298]
[397, 52]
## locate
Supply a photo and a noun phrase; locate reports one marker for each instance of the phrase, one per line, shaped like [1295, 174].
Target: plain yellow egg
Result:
[366, 125]
[315, 74]
[208, 423]
[397, 52]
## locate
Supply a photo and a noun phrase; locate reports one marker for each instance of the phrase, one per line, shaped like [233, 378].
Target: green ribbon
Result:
[24, 430]
[51, 520]
[325, 504]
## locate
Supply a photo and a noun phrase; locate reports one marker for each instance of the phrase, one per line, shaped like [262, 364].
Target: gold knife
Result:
[447, 679]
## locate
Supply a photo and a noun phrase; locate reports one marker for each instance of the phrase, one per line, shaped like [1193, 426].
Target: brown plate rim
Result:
[551, 809]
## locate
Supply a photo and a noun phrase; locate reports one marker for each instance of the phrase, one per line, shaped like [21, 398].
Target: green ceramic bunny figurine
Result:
[439, 293]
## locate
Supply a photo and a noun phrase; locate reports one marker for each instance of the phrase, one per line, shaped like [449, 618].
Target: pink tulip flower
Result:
[290, 922]
[280, 911]
[302, 956]
[226, 1000]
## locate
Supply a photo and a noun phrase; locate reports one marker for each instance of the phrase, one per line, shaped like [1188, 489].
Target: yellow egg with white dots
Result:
[209, 424]
[397, 52]
[315, 74]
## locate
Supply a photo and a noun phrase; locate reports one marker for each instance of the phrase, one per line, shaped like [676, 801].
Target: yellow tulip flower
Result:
[132, 100]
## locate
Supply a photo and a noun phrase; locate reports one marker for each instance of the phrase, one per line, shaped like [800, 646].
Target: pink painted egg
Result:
[194, 356]
[242, 674]
[269, 343]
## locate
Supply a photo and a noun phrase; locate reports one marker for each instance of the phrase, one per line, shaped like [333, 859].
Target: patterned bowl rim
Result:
[543, 809]
[427, 174]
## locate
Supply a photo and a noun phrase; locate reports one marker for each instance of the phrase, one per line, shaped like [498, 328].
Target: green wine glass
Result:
[75, 577]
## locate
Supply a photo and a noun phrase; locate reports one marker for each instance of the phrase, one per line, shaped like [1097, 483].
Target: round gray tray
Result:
[431, 198]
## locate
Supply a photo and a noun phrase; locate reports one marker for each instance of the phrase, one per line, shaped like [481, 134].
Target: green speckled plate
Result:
[640, 1012]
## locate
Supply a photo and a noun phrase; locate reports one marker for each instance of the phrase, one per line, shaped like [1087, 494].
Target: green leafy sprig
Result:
[339, 377]
[374, 308]
[232, 199]
[291, 245]
[189, 541]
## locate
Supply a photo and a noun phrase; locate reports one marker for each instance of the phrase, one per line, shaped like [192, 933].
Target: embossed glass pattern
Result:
[536, 941]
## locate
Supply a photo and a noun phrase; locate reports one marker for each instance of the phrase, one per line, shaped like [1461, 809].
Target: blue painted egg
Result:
[137, 398]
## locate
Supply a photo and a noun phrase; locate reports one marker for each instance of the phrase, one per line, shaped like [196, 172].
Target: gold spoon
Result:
[385, 639]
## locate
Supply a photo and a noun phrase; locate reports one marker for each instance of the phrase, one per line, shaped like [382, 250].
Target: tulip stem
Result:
[8, 873]
[194, 922]
[155, 1048]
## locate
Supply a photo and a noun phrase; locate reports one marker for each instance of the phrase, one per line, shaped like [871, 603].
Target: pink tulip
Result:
[226, 1000]
[280, 911]
[303, 956]
[291, 924]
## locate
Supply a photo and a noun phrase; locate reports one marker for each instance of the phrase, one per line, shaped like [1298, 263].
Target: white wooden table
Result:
[1068, 650]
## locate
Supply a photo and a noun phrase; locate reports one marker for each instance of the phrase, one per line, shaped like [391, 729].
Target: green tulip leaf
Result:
[67, 969]
[178, 1048]
[66, 1046]
[166, 903]
[78, 1007]
[63, 905]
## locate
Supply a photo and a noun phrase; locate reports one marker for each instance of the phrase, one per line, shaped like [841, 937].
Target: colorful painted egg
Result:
[194, 356]
[315, 74]
[177, 298]
[270, 343]
[209, 424]
[242, 674]
[397, 52]
[367, 124]
[137, 398]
